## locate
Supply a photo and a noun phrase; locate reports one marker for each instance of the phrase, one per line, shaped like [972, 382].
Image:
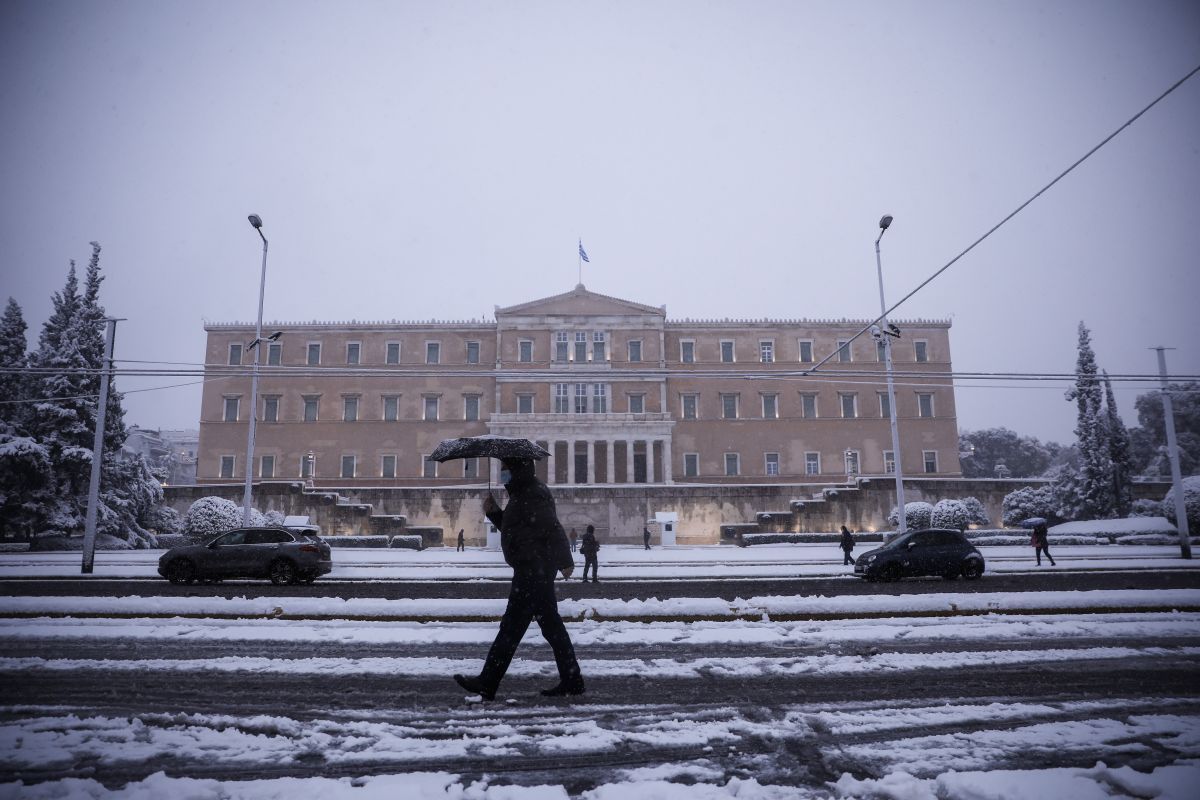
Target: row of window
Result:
[470, 467]
[577, 351]
[577, 398]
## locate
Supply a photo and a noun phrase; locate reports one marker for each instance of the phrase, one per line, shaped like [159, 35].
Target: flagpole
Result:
[580, 255]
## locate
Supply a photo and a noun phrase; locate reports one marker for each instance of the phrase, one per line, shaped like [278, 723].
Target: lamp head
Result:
[885, 222]
[256, 220]
[274, 336]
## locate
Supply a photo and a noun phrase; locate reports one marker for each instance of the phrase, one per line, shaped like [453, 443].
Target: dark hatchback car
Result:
[284, 556]
[934, 551]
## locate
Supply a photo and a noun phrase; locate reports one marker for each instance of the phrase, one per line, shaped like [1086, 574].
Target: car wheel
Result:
[282, 571]
[890, 573]
[951, 574]
[973, 570]
[307, 580]
[181, 571]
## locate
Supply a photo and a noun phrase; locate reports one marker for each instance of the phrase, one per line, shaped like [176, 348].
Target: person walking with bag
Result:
[535, 546]
[590, 547]
[847, 545]
[1041, 543]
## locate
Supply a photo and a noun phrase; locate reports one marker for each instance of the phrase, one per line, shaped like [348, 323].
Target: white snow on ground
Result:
[1117, 526]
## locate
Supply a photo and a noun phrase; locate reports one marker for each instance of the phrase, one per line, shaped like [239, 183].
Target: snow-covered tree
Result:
[26, 484]
[976, 513]
[1095, 475]
[209, 516]
[1149, 438]
[949, 514]
[1025, 456]
[1191, 504]
[273, 518]
[1119, 453]
[1029, 502]
[916, 515]
[13, 347]
[1146, 508]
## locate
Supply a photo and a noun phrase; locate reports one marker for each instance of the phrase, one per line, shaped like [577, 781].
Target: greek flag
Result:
[582, 252]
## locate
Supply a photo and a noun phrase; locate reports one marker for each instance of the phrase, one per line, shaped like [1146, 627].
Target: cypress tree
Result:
[1120, 453]
[1093, 485]
[13, 358]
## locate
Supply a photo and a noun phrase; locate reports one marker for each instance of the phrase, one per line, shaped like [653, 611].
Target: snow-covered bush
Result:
[163, 520]
[1154, 538]
[916, 515]
[949, 514]
[1145, 508]
[1191, 503]
[274, 518]
[408, 542]
[356, 541]
[976, 513]
[1029, 502]
[209, 516]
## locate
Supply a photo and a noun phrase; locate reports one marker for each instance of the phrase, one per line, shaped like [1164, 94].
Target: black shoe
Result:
[475, 686]
[565, 688]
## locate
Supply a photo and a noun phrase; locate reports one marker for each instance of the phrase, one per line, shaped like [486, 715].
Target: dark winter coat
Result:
[530, 533]
[1039, 537]
[589, 546]
[847, 540]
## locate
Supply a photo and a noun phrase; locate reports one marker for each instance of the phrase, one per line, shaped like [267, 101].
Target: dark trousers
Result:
[589, 561]
[461, 545]
[647, 542]
[1045, 548]
[531, 597]
[847, 559]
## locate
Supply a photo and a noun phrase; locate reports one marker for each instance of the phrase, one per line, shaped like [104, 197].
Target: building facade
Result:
[617, 392]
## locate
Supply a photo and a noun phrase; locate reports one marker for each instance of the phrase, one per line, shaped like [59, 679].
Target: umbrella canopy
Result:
[1033, 522]
[486, 447]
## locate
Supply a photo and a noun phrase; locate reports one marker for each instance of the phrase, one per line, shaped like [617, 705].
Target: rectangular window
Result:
[562, 398]
[231, 409]
[387, 467]
[808, 406]
[766, 351]
[348, 463]
[806, 350]
[637, 404]
[843, 350]
[431, 409]
[691, 465]
[428, 468]
[885, 408]
[472, 352]
[731, 464]
[310, 409]
[349, 409]
[880, 351]
[274, 354]
[599, 347]
[727, 352]
[227, 464]
[930, 457]
[889, 462]
[524, 404]
[849, 406]
[392, 356]
[687, 352]
[922, 350]
[729, 406]
[525, 351]
[599, 398]
[851, 462]
[581, 400]
[353, 353]
[770, 406]
[925, 405]
[580, 347]
[391, 409]
[433, 353]
[812, 463]
[561, 345]
[772, 463]
[314, 354]
[471, 407]
[266, 467]
[235, 355]
[470, 467]
[270, 409]
[635, 350]
[689, 406]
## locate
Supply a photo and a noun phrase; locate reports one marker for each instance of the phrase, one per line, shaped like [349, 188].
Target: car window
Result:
[232, 538]
[949, 538]
[276, 537]
[923, 539]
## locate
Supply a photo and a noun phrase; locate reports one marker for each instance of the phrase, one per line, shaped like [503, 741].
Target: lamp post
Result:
[885, 336]
[255, 221]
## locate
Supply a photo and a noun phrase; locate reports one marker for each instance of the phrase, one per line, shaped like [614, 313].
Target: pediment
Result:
[579, 302]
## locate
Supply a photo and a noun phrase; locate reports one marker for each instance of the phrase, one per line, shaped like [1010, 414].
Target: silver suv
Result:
[284, 556]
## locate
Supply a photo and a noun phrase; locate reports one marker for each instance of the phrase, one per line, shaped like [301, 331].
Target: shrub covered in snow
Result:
[916, 515]
[208, 516]
[75, 543]
[949, 514]
[1191, 503]
[1154, 538]
[1115, 527]
[356, 541]
[976, 513]
[1145, 508]
[408, 542]
[1029, 502]
[273, 518]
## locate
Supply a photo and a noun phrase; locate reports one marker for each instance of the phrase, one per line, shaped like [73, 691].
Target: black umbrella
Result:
[486, 447]
[1033, 522]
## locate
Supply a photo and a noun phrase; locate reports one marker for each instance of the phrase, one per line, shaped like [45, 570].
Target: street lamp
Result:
[256, 221]
[886, 333]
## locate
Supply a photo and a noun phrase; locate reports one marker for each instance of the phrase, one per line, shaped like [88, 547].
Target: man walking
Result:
[535, 546]
[1041, 543]
[646, 537]
[590, 547]
[847, 546]
[462, 543]
[574, 537]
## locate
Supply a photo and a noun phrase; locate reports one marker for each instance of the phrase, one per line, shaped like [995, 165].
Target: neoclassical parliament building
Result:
[613, 389]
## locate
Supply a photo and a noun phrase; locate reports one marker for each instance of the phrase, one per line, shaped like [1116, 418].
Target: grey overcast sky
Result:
[417, 160]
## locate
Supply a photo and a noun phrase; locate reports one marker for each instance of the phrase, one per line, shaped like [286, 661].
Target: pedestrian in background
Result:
[1041, 543]
[590, 548]
[574, 537]
[847, 546]
[646, 537]
[462, 543]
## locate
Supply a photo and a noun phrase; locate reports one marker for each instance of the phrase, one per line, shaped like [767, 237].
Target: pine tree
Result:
[1120, 453]
[1093, 485]
[12, 362]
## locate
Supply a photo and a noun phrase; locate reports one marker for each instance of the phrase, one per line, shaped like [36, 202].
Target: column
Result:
[629, 460]
[610, 465]
[649, 461]
[571, 476]
[550, 462]
[591, 461]
[667, 461]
